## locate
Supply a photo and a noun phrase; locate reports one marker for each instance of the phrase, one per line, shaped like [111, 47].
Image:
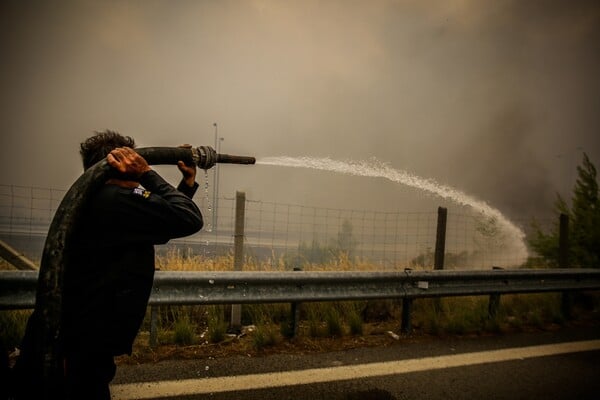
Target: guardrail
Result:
[17, 288]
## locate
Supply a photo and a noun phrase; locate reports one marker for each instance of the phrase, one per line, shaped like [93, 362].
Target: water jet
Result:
[376, 169]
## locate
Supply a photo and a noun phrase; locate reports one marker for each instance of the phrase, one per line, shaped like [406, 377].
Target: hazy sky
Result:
[497, 98]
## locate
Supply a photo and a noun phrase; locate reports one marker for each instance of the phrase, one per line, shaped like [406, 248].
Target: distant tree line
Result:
[343, 245]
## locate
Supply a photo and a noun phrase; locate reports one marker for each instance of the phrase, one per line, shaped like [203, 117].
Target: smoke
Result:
[496, 98]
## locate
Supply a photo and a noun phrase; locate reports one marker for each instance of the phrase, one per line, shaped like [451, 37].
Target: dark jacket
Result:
[109, 279]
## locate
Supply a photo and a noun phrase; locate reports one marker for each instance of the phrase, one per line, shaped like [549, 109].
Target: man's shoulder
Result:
[118, 194]
[140, 192]
[114, 189]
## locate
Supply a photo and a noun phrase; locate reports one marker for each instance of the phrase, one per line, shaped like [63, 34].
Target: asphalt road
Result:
[550, 365]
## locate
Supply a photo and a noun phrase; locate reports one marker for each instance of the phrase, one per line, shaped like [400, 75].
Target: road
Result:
[563, 364]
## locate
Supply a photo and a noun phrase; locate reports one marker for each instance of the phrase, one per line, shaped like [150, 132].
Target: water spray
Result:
[377, 169]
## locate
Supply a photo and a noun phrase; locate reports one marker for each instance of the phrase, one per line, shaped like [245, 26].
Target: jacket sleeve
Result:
[169, 211]
[154, 214]
[185, 189]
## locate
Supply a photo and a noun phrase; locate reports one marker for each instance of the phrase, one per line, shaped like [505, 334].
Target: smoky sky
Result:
[496, 98]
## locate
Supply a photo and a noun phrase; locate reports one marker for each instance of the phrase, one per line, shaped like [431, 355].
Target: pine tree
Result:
[346, 243]
[585, 217]
[584, 223]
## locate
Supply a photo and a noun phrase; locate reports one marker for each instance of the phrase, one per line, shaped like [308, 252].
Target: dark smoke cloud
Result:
[497, 98]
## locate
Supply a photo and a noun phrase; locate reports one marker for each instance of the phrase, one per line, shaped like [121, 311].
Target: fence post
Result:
[563, 262]
[440, 238]
[238, 255]
[440, 249]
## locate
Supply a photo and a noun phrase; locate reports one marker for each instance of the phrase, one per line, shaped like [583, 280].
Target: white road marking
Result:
[150, 390]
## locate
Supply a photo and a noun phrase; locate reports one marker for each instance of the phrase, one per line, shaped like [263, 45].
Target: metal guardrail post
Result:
[295, 314]
[493, 306]
[407, 303]
[494, 301]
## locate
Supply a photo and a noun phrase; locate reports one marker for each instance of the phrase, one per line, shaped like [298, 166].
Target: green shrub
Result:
[426, 316]
[183, 332]
[465, 314]
[265, 335]
[379, 310]
[286, 329]
[333, 321]
[217, 327]
[534, 309]
[353, 315]
[314, 319]
[355, 323]
[257, 313]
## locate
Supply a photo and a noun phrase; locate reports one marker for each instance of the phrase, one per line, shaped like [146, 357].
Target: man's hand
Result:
[128, 162]
[188, 171]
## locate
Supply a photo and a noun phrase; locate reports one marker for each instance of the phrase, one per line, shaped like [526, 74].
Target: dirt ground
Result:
[380, 334]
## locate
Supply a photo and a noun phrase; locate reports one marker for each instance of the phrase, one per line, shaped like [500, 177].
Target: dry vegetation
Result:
[201, 331]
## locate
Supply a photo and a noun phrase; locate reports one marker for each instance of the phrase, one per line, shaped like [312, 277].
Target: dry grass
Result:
[201, 331]
[183, 260]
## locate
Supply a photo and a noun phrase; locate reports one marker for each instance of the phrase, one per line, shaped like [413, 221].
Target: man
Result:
[108, 281]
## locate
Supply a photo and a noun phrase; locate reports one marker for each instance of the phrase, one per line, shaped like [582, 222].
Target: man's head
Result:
[97, 147]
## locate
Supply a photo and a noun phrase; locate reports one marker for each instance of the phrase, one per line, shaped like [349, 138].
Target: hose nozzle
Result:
[206, 157]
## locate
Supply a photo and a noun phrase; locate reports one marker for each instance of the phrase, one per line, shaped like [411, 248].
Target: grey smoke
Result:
[497, 98]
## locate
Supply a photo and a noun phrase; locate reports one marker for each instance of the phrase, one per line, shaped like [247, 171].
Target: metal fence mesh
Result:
[289, 232]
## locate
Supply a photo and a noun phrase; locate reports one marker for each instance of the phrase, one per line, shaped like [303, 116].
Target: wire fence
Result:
[292, 234]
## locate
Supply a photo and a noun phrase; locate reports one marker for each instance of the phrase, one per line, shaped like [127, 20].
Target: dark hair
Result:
[97, 147]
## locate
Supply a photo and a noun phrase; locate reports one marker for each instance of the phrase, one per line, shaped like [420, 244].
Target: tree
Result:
[344, 245]
[315, 253]
[345, 242]
[584, 223]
